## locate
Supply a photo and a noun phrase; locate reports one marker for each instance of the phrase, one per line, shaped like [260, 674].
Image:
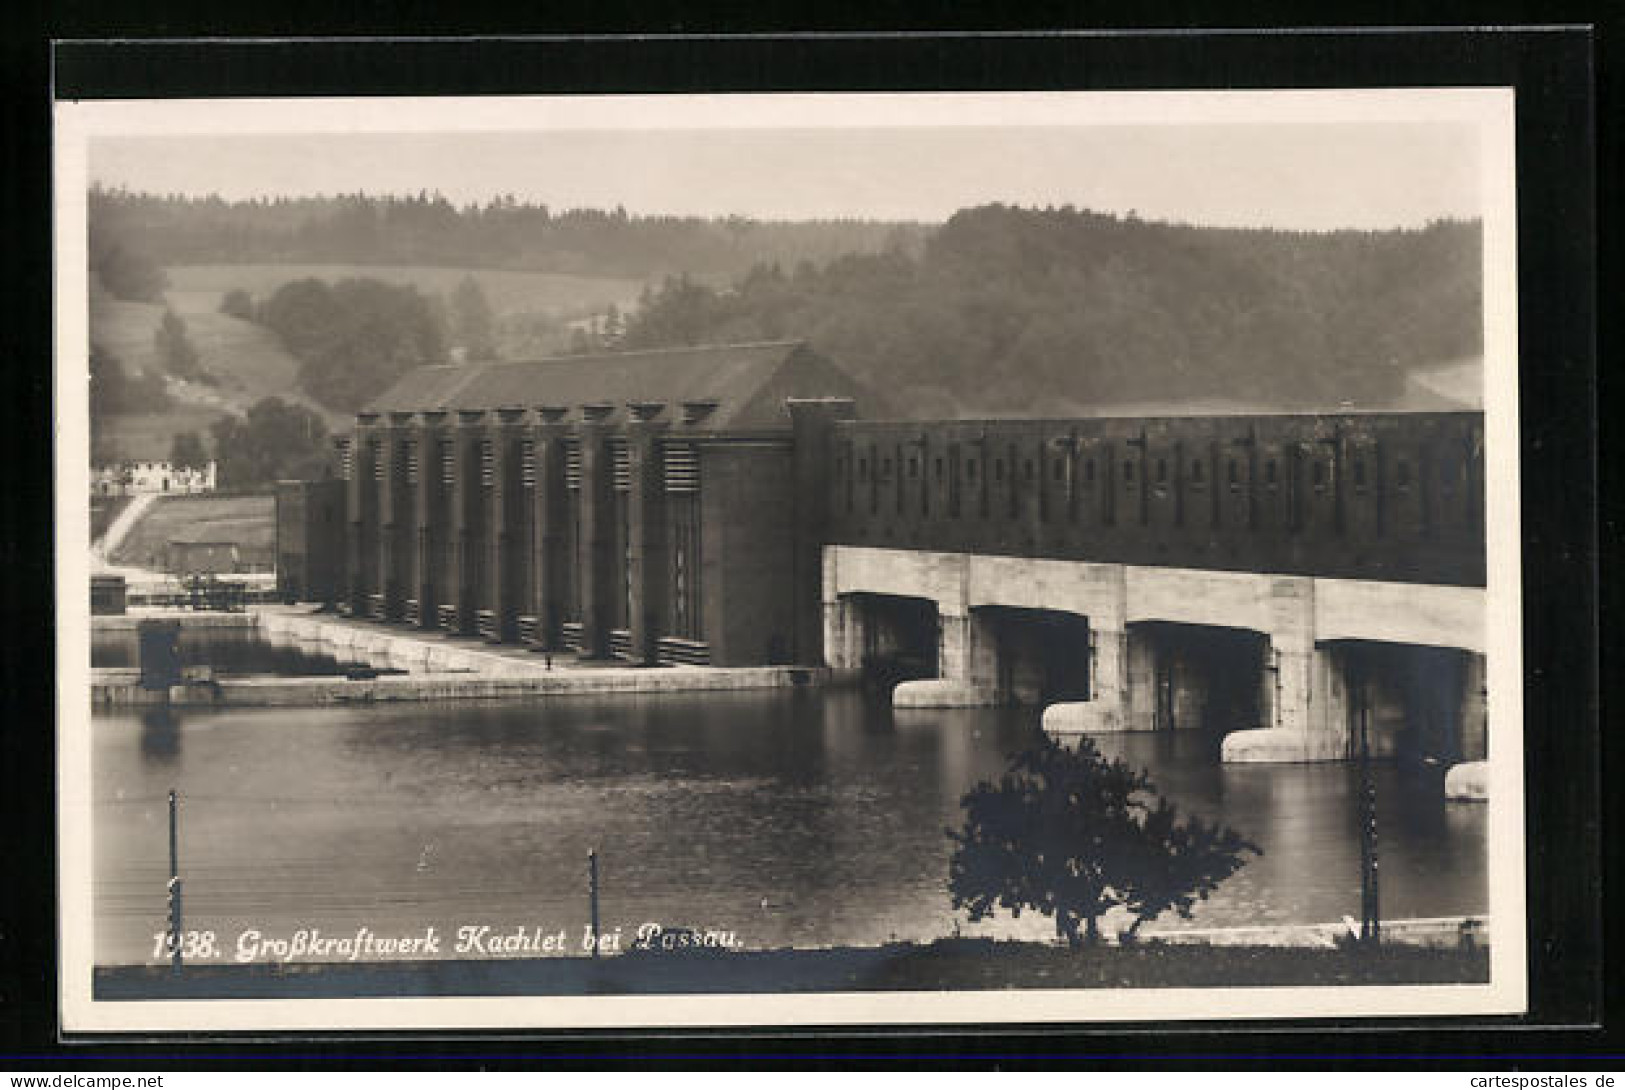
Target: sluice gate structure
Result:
[1271, 580]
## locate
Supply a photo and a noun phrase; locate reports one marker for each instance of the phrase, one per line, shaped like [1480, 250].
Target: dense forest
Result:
[1002, 310]
[1054, 310]
[354, 338]
[503, 233]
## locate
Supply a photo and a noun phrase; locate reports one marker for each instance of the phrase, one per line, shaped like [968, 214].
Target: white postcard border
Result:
[1491, 110]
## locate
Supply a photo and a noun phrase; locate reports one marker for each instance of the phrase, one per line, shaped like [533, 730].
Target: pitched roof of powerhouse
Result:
[748, 382]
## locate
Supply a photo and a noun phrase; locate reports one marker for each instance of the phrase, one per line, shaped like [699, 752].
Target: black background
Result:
[1561, 157]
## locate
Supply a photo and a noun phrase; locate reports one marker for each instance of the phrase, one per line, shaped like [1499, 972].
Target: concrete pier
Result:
[1288, 667]
[437, 668]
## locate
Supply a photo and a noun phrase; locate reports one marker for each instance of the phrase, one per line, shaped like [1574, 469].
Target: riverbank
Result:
[948, 964]
[424, 667]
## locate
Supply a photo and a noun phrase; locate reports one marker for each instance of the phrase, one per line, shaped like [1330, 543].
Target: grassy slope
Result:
[248, 359]
[251, 362]
[250, 521]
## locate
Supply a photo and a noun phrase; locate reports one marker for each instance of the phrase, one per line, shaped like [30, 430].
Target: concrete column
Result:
[1308, 719]
[597, 574]
[462, 593]
[378, 600]
[813, 425]
[1294, 684]
[843, 635]
[505, 555]
[358, 497]
[967, 662]
[1475, 722]
[372, 527]
[1108, 678]
[646, 532]
[841, 640]
[392, 514]
[1469, 780]
[1110, 642]
[1107, 708]
[429, 576]
[348, 515]
[547, 533]
[403, 517]
[1140, 679]
[1331, 723]
[492, 528]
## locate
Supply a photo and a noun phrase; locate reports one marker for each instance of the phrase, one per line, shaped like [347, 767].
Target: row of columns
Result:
[467, 545]
[1302, 702]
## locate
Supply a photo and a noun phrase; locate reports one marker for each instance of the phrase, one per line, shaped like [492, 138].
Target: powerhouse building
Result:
[640, 505]
[726, 505]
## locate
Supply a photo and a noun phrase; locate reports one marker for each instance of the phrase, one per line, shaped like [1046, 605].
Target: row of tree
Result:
[503, 232]
[1045, 310]
[274, 440]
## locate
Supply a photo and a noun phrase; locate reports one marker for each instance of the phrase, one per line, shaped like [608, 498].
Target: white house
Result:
[136, 478]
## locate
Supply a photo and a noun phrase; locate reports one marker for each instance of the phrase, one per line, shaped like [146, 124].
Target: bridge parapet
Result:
[1396, 497]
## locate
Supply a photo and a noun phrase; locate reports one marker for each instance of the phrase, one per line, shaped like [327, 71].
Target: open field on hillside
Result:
[197, 289]
[249, 521]
[248, 360]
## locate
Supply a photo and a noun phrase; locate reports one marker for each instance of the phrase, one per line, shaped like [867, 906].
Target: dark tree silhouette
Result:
[473, 326]
[186, 449]
[176, 352]
[1030, 310]
[1072, 835]
[123, 271]
[113, 390]
[274, 441]
[427, 229]
[355, 337]
[238, 303]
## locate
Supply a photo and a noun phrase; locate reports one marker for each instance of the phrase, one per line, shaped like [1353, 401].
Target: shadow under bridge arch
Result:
[898, 636]
[1038, 656]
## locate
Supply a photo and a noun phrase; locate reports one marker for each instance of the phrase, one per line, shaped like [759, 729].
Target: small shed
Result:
[107, 595]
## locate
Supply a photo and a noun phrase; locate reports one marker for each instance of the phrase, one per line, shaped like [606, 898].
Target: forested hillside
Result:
[503, 233]
[1001, 310]
[1010, 310]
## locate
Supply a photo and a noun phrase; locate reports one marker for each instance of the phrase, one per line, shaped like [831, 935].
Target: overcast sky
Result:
[1316, 177]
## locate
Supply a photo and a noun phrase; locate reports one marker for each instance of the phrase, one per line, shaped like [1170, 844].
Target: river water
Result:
[786, 817]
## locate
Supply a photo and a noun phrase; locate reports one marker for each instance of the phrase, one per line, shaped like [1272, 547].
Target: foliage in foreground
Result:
[1072, 835]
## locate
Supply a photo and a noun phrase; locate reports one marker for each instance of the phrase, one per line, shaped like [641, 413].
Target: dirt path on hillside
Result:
[119, 529]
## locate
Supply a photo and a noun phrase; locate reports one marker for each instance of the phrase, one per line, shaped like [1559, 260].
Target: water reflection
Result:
[228, 650]
[160, 735]
[792, 818]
